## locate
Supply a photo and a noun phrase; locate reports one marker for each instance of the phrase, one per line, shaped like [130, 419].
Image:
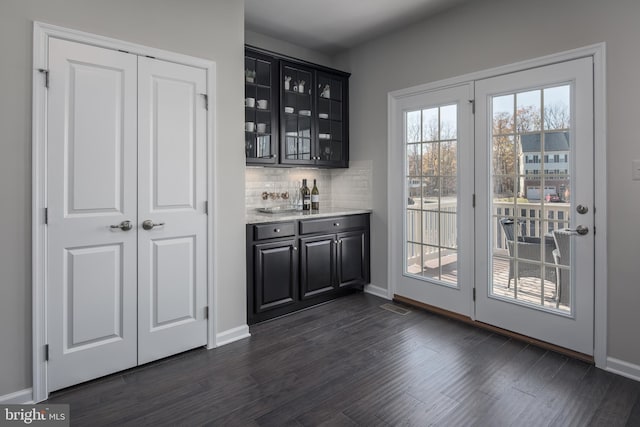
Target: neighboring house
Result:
[553, 163]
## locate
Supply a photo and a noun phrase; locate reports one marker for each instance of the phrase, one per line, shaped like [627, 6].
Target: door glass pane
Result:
[530, 173]
[432, 194]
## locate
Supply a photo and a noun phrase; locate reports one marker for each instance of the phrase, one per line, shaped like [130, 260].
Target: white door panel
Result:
[94, 148]
[173, 283]
[93, 286]
[91, 267]
[173, 149]
[172, 169]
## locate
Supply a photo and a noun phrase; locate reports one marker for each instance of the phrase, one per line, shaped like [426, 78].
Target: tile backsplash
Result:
[342, 188]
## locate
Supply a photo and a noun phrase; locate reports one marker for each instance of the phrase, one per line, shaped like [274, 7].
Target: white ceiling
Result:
[329, 26]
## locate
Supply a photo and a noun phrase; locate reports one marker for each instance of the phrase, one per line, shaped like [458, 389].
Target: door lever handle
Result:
[581, 230]
[124, 226]
[148, 224]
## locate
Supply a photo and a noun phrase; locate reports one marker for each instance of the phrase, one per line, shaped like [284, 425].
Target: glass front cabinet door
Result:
[332, 145]
[297, 112]
[260, 109]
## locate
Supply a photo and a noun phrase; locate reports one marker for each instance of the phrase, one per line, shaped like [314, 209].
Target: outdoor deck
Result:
[526, 289]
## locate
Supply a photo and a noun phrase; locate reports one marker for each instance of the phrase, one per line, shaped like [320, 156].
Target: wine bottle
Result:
[306, 196]
[315, 197]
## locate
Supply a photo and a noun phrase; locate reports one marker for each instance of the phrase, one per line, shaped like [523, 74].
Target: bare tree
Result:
[556, 116]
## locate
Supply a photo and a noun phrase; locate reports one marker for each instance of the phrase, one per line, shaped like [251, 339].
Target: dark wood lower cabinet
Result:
[275, 265]
[353, 257]
[317, 265]
[293, 267]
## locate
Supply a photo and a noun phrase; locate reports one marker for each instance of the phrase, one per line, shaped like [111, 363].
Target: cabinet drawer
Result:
[270, 231]
[330, 225]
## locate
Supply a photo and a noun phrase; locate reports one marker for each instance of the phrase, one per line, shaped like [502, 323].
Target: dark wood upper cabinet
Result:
[307, 119]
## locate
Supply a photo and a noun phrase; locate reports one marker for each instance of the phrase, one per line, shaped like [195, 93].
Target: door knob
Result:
[124, 225]
[147, 224]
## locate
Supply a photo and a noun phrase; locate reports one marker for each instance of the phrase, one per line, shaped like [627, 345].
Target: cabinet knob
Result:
[276, 230]
[336, 224]
[295, 248]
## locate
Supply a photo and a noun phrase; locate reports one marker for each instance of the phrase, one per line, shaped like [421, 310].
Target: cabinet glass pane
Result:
[263, 73]
[297, 148]
[249, 70]
[260, 132]
[329, 88]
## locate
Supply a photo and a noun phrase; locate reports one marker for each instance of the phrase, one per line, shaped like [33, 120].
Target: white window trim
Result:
[41, 34]
[598, 53]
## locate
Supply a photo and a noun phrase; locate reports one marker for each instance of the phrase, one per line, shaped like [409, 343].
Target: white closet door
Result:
[91, 186]
[172, 197]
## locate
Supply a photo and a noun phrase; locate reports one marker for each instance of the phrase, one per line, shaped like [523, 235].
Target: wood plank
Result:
[547, 346]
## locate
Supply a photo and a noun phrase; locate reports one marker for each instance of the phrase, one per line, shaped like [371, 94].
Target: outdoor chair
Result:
[528, 253]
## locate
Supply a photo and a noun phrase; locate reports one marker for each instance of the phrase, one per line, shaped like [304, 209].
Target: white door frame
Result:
[41, 34]
[598, 53]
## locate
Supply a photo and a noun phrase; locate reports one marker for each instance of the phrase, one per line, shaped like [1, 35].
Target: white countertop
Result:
[255, 217]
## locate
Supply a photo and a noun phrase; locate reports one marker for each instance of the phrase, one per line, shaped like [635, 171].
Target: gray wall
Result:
[203, 28]
[486, 34]
[286, 48]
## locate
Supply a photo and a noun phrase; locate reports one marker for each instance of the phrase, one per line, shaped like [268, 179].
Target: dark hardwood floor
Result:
[349, 363]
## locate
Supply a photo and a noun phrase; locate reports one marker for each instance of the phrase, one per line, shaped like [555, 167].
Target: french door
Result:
[522, 257]
[432, 255]
[534, 185]
[126, 193]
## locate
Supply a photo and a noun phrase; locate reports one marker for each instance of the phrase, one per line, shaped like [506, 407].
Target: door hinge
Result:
[46, 216]
[474, 294]
[46, 76]
[46, 352]
[473, 201]
[206, 207]
[594, 230]
[206, 312]
[473, 106]
[206, 101]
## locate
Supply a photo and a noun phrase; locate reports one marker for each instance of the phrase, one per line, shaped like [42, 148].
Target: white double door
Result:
[522, 258]
[126, 204]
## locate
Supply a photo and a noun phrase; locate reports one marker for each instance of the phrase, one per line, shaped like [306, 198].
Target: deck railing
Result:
[423, 226]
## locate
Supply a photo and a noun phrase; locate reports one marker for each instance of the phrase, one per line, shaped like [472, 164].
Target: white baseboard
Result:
[231, 335]
[623, 368]
[377, 291]
[21, 397]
